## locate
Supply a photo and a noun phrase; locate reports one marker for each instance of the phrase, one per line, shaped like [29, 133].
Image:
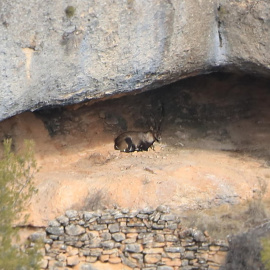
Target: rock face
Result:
[57, 53]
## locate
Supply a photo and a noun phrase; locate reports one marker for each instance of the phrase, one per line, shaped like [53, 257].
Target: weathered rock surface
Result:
[55, 53]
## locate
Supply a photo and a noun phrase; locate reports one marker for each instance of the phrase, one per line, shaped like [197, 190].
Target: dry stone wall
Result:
[146, 239]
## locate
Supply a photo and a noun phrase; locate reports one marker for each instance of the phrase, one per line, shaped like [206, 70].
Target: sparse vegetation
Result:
[231, 220]
[256, 211]
[265, 252]
[16, 188]
[96, 200]
[237, 223]
[70, 11]
[244, 253]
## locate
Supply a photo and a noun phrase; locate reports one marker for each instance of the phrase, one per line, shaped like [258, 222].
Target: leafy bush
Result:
[244, 253]
[265, 253]
[16, 188]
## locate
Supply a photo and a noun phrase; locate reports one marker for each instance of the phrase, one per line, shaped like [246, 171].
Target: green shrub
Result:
[16, 188]
[70, 11]
[244, 253]
[265, 253]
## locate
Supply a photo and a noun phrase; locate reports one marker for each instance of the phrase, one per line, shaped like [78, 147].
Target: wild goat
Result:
[131, 141]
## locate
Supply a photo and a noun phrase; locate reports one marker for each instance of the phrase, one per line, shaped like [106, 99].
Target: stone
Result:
[218, 258]
[147, 210]
[72, 214]
[84, 252]
[129, 241]
[115, 260]
[164, 267]
[73, 260]
[44, 263]
[173, 255]
[96, 252]
[128, 261]
[152, 258]
[93, 234]
[64, 220]
[168, 217]
[113, 228]
[91, 259]
[142, 216]
[88, 215]
[106, 236]
[54, 223]
[184, 262]
[163, 209]
[62, 257]
[54, 237]
[172, 262]
[172, 226]
[157, 245]
[214, 248]
[118, 237]
[159, 238]
[78, 244]
[112, 252]
[95, 243]
[125, 210]
[84, 237]
[156, 226]
[86, 266]
[171, 238]
[137, 256]
[132, 235]
[198, 236]
[155, 216]
[106, 221]
[37, 236]
[74, 230]
[107, 244]
[81, 222]
[55, 230]
[53, 264]
[134, 248]
[98, 227]
[147, 223]
[48, 241]
[72, 251]
[189, 255]
[135, 224]
[59, 245]
[104, 258]
[152, 250]
[177, 249]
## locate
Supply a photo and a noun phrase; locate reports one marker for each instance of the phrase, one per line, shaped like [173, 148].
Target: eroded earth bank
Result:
[214, 150]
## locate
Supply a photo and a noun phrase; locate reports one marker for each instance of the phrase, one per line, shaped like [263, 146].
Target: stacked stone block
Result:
[146, 239]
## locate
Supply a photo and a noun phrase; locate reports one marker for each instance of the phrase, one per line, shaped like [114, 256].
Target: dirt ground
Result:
[214, 150]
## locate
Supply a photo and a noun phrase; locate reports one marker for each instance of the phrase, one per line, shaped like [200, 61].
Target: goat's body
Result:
[131, 141]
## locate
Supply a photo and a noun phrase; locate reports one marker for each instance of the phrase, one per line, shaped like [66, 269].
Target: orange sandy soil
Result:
[214, 149]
